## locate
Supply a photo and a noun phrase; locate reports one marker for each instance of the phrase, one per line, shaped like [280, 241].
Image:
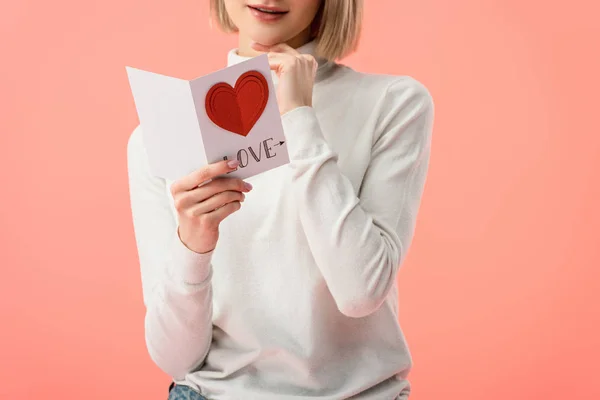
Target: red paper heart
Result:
[237, 109]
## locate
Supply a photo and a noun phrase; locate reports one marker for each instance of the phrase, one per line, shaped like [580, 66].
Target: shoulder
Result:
[384, 94]
[135, 142]
[392, 100]
[377, 84]
[137, 159]
[395, 88]
[136, 150]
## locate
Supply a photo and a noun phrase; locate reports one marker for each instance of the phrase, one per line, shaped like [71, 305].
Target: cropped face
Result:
[272, 21]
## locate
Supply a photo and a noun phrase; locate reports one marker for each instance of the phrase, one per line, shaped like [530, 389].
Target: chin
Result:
[267, 38]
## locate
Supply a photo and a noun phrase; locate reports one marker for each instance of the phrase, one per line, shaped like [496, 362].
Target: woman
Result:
[291, 295]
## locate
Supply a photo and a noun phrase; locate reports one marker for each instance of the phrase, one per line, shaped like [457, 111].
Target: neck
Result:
[245, 50]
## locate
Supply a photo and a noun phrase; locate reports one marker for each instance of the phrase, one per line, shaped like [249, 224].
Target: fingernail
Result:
[233, 164]
[247, 186]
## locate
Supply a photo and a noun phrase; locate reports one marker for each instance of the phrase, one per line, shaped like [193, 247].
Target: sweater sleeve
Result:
[359, 241]
[176, 281]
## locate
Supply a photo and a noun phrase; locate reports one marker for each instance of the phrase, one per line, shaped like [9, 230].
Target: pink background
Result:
[499, 295]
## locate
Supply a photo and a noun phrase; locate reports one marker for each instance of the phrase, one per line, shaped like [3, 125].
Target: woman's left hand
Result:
[296, 73]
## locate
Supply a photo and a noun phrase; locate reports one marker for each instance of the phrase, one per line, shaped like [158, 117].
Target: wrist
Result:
[289, 107]
[203, 248]
[188, 266]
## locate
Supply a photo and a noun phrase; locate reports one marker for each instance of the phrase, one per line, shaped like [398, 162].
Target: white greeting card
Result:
[231, 113]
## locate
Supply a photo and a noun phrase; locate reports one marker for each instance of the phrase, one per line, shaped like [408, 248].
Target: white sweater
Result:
[299, 298]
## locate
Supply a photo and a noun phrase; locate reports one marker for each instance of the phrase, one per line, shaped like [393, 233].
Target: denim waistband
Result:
[183, 392]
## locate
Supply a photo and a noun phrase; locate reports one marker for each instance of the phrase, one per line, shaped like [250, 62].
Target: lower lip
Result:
[266, 17]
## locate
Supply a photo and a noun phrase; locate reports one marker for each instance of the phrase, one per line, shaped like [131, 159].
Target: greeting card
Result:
[229, 114]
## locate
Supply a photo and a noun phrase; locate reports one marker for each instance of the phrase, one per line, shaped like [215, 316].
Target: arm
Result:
[176, 281]
[359, 242]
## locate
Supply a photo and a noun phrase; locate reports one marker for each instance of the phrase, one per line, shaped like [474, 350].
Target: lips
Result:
[267, 14]
[267, 9]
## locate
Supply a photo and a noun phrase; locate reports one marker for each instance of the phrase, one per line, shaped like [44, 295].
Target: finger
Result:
[312, 61]
[215, 217]
[278, 60]
[204, 192]
[202, 175]
[284, 48]
[277, 48]
[216, 201]
[259, 47]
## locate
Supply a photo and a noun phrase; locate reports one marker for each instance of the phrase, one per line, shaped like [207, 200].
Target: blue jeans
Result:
[182, 392]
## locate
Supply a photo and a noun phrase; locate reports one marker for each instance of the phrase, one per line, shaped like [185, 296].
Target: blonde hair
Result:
[336, 28]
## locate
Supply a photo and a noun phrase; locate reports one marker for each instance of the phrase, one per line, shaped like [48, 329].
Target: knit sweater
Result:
[299, 298]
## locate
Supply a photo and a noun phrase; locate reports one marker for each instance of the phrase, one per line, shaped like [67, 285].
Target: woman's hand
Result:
[202, 208]
[296, 73]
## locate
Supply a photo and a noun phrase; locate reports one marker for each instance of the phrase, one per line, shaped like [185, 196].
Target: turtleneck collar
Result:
[308, 48]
